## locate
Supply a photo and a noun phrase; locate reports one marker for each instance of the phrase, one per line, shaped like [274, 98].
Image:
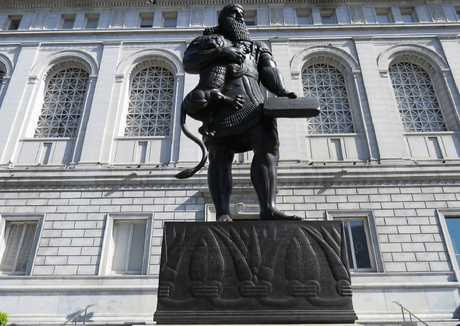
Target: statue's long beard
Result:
[235, 30]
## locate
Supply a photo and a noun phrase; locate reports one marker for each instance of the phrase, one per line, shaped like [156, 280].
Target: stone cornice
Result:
[290, 176]
[34, 4]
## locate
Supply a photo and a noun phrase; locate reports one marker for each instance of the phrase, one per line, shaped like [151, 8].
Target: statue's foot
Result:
[278, 216]
[224, 218]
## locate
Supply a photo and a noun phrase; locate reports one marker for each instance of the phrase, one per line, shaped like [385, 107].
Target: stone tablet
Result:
[284, 107]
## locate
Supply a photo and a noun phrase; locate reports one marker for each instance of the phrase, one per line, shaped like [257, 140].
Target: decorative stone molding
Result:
[30, 44]
[32, 80]
[150, 45]
[112, 43]
[8, 48]
[423, 56]
[364, 38]
[118, 19]
[81, 57]
[5, 80]
[63, 65]
[164, 58]
[12, 4]
[356, 14]
[39, 20]
[448, 37]
[394, 41]
[68, 47]
[6, 65]
[65, 185]
[276, 16]
[342, 60]
[279, 40]
[437, 13]
[336, 43]
[196, 18]
[119, 78]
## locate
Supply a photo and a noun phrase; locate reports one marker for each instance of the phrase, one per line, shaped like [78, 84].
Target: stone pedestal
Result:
[254, 273]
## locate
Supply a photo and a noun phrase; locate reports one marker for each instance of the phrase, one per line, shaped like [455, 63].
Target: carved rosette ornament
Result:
[254, 272]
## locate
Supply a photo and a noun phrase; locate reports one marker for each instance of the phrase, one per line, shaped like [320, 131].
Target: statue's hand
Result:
[237, 102]
[286, 93]
[234, 54]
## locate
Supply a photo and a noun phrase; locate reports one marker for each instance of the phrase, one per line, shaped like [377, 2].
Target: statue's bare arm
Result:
[271, 77]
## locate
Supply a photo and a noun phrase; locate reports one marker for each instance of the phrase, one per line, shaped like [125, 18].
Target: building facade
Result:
[90, 141]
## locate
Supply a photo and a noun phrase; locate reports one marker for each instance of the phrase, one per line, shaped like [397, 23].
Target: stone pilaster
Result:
[381, 107]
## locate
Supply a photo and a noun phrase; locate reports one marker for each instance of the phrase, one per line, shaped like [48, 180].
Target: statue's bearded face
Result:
[234, 26]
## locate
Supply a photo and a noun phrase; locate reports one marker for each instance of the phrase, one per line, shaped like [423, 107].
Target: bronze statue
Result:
[229, 102]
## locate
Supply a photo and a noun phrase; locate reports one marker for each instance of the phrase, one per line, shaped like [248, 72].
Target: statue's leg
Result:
[220, 177]
[265, 143]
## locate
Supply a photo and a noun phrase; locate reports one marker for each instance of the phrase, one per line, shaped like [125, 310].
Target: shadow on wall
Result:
[457, 314]
[81, 318]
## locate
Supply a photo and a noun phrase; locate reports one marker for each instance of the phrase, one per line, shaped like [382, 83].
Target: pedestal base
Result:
[254, 272]
[255, 317]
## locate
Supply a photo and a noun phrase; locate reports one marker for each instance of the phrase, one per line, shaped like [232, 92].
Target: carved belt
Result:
[238, 117]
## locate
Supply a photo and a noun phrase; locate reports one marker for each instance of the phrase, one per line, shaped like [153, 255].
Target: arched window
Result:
[2, 73]
[327, 84]
[65, 95]
[416, 98]
[150, 103]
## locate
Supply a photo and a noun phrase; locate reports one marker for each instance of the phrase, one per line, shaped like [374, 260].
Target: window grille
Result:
[328, 85]
[150, 103]
[416, 98]
[63, 104]
[19, 238]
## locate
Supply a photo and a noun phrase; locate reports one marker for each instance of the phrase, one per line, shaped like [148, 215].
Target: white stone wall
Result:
[412, 264]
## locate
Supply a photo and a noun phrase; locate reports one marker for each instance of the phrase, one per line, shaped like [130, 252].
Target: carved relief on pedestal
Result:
[283, 271]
